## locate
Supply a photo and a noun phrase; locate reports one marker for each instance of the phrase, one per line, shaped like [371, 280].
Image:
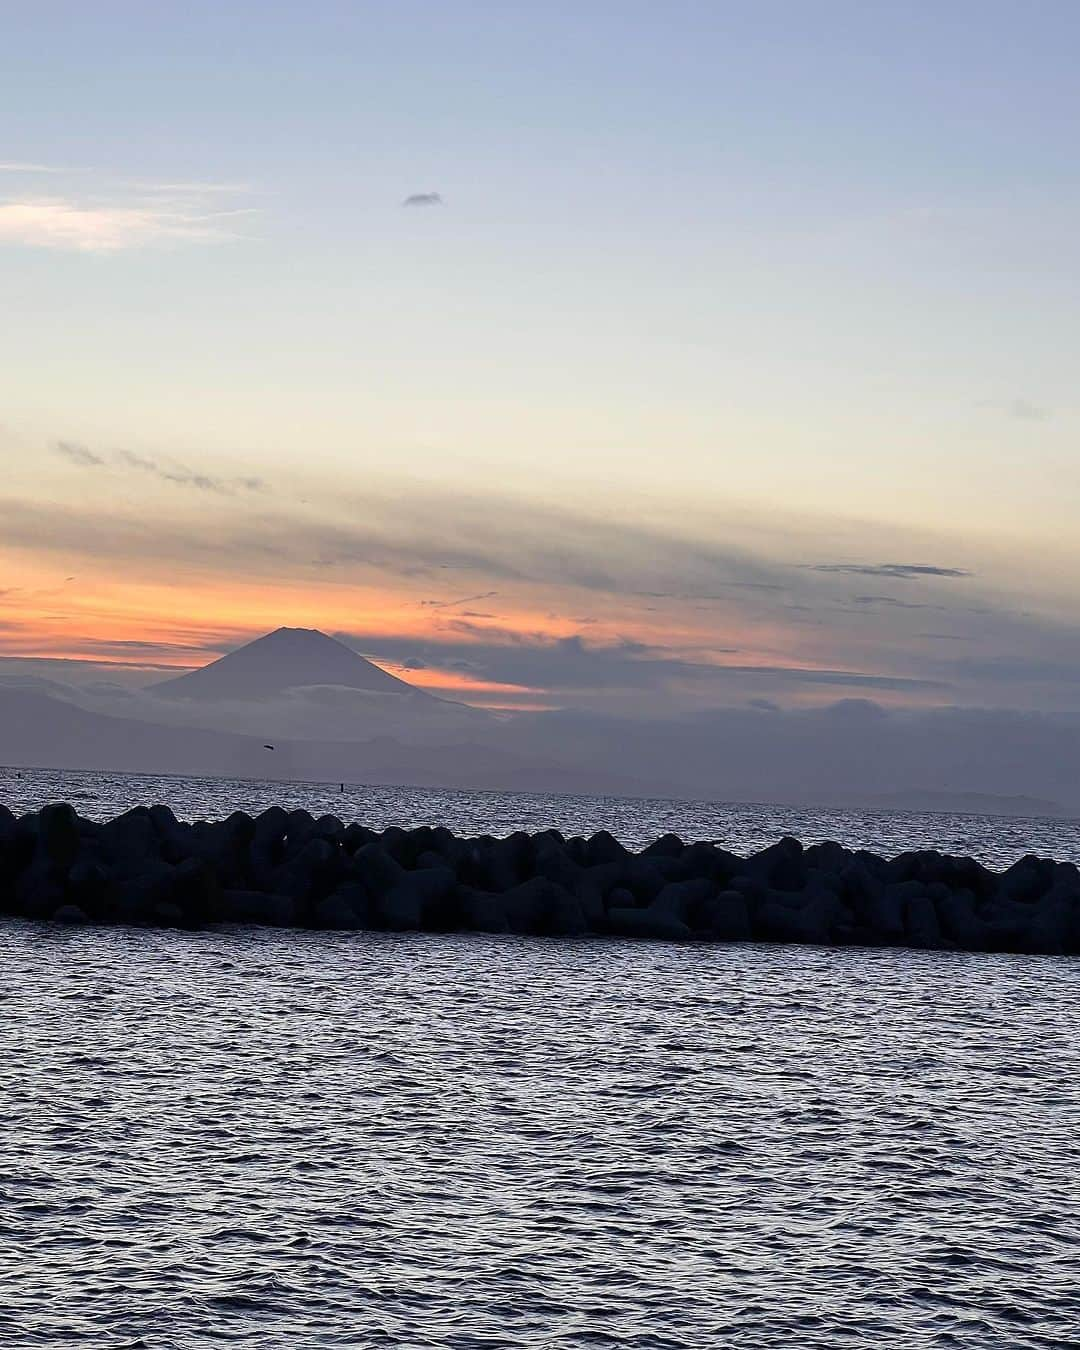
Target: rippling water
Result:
[264, 1138]
[267, 1139]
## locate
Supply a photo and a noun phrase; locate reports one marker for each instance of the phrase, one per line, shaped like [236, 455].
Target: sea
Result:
[273, 1138]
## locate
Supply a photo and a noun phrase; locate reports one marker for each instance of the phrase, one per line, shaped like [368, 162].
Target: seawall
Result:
[288, 869]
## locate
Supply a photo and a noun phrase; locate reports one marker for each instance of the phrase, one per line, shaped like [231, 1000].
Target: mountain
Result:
[39, 731]
[288, 658]
[970, 803]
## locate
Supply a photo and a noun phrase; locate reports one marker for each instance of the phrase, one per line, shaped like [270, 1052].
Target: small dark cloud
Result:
[860, 709]
[462, 600]
[764, 705]
[1024, 411]
[169, 472]
[414, 663]
[888, 600]
[108, 646]
[423, 199]
[184, 477]
[108, 689]
[895, 571]
[78, 454]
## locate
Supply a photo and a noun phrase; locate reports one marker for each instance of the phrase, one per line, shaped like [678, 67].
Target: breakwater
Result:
[287, 868]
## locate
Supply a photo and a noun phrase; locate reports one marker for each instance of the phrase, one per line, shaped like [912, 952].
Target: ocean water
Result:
[264, 1138]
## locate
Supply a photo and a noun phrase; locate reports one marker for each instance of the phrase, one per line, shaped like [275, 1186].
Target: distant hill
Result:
[43, 732]
[969, 803]
[288, 658]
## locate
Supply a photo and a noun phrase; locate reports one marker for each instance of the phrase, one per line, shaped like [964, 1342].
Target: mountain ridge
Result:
[287, 658]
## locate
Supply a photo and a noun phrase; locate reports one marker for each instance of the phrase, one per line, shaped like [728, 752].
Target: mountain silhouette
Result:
[288, 658]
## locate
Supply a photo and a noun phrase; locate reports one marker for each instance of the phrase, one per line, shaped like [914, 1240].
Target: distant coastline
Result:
[970, 803]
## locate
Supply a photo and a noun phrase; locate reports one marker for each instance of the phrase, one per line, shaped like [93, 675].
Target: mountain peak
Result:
[287, 658]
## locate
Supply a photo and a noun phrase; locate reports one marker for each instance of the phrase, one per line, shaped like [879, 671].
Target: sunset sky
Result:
[725, 353]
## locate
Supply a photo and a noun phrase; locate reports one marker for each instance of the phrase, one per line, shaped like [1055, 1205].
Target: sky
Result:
[635, 357]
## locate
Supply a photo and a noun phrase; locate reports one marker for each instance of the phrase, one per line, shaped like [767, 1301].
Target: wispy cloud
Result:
[169, 471]
[21, 166]
[1024, 411]
[889, 600]
[118, 217]
[1020, 409]
[570, 665]
[893, 571]
[462, 600]
[424, 199]
[78, 454]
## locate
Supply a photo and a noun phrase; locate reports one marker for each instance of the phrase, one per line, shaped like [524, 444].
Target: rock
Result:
[38, 890]
[781, 866]
[682, 899]
[58, 835]
[134, 899]
[376, 869]
[87, 887]
[1054, 927]
[146, 867]
[752, 889]
[70, 914]
[882, 910]
[726, 917]
[642, 875]
[503, 864]
[415, 899]
[482, 912]
[959, 922]
[257, 907]
[354, 837]
[603, 847]
[309, 873]
[667, 846]
[921, 926]
[537, 906]
[829, 856]
[810, 922]
[648, 923]
[346, 909]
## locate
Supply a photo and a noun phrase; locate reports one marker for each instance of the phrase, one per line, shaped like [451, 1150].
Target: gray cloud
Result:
[572, 665]
[184, 477]
[167, 471]
[462, 600]
[894, 571]
[492, 543]
[78, 454]
[1024, 411]
[889, 600]
[423, 199]
[1021, 409]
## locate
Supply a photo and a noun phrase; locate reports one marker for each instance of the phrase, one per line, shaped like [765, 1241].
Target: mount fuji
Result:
[288, 658]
